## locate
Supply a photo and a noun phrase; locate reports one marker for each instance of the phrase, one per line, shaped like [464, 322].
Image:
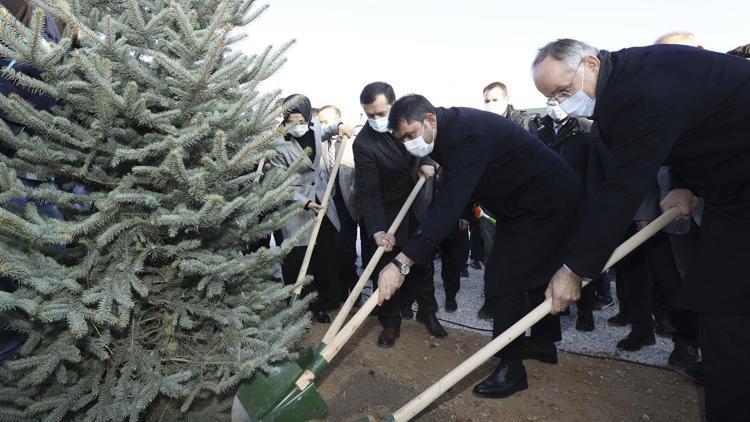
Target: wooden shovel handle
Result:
[423, 400]
[319, 218]
[354, 295]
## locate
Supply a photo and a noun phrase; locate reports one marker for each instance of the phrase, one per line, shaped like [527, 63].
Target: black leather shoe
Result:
[388, 336]
[664, 328]
[407, 312]
[322, 317]
[684, 355]
[585, 321]
[637, 339]
[619, 320]
[450, 303]
[484, 312]
[505, 380]
[433, 325]
[546, 353]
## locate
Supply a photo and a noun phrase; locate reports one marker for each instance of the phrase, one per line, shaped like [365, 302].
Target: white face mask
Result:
[379, 125]
[497, 107]
[298, 131]
[418, 147]
[579, 104]
[556, 112]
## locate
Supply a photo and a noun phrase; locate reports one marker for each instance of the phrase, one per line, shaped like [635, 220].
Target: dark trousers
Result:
[725, 347]
[634, 286]
[475, 240]
[346, 249]
[418, 283]
[322, 267]
[454, 250]
[666, 281]
[588, 297]
[367, 244]
[508, 309]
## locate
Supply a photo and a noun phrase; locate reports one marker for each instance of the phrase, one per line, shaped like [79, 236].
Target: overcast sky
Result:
[449, 50]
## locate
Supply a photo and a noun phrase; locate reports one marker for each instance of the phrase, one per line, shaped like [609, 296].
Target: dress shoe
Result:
[637, 338]
[505, 380]
[695, 373]
[388, 336]
[684, 355]
[450, 303]
[664, 328]
[546, 353]
[585, 321]
[484, 312]
[406, 311]
[322, 317]
[619, 320]
[433, 325]
[476, 264]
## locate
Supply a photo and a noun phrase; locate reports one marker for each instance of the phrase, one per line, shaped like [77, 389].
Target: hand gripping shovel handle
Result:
[420, 402]
[344, 312]
[318, 222]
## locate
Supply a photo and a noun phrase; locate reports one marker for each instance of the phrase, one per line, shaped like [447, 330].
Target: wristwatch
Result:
[401, 267]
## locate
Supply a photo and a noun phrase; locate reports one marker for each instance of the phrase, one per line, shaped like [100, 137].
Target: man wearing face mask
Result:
[694, 121]
[497, 100]
[303, 138]
[534, 195]
[385, 174]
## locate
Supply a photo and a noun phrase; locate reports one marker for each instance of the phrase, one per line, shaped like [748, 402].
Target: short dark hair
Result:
[496, 85]
[371, 91]
[408, 109]
[331, 107]
[741, 51]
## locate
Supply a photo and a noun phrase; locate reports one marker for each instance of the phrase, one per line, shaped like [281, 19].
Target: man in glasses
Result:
[687, 108]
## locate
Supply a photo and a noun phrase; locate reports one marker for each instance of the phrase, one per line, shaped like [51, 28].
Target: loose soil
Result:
[367, 380]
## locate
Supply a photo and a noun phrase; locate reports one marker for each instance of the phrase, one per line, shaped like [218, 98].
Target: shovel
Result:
[423, 400]
[287, 393]
[318, 222]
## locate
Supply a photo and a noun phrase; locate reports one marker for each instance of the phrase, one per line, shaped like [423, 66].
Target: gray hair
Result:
[683, 35]
[568, 50]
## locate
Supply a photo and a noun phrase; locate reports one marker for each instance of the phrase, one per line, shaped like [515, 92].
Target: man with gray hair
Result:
[679, 38]
[695, 121]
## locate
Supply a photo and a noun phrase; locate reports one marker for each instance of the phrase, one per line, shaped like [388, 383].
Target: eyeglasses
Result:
[565, 93]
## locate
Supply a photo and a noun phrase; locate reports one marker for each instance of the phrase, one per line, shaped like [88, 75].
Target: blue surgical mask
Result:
[579, 104]
[379, 125]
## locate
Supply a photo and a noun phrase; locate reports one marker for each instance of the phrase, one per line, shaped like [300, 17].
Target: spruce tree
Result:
[140, 304]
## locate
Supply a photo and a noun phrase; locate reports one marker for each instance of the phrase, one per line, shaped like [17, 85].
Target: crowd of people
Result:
[540, 201]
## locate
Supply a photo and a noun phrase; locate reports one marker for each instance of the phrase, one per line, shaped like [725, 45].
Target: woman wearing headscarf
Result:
[303, 138]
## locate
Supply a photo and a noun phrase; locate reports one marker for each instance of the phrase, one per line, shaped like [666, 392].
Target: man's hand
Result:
[386, 240]
[427, 171]
[564, 288]
[389, 280]
[345, 129]
[312, 205]
[463, 224]
[683, 199]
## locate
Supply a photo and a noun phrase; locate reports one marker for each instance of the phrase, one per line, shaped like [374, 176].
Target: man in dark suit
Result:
[688, 108]
[534, 195]
[385, 175]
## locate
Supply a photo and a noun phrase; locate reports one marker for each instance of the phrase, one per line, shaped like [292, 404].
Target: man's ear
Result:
[592, 62]
[431, 119]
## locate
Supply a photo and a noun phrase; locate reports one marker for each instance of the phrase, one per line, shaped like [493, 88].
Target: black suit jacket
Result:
[533, 193]
[688, 108]
[384, 176]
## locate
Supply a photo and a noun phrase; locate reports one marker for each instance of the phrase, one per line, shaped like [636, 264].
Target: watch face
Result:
[405, 270]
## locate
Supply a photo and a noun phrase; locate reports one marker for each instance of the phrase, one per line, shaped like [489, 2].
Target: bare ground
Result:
[367, 380]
